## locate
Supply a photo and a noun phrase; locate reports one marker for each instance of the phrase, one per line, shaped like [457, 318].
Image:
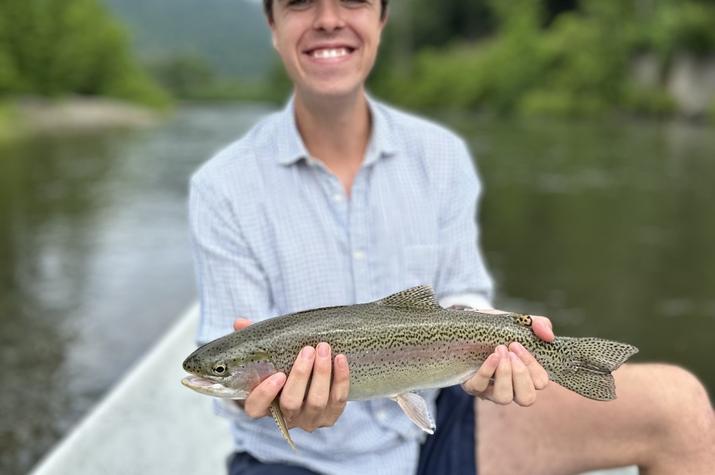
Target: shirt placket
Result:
[337, 199]
[358, 237]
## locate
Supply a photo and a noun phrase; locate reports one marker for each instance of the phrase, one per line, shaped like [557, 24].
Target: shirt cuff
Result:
[228, 408]
[477, 301]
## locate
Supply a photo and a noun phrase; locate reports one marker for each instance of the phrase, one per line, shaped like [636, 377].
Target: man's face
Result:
[328, 47]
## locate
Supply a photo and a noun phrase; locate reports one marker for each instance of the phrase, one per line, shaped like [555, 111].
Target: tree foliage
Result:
[53, 47]
[539, 56]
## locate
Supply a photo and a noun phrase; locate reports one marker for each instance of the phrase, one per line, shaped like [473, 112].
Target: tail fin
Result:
[592, 360]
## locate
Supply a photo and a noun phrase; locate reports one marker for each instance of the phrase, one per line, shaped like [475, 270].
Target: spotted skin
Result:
[523, 320]
[403, 343]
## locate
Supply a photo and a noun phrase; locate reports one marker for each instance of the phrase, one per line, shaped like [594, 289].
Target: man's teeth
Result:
[330, 53]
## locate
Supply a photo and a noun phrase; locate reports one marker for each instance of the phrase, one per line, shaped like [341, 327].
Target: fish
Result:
[396, 346]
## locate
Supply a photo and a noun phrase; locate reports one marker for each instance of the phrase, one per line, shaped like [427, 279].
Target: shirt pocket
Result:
[420, 263]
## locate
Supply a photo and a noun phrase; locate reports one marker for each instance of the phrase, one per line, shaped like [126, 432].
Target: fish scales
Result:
[376, 344]
[394, 346]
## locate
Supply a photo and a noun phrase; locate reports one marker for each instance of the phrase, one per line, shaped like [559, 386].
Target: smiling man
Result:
[339, 199]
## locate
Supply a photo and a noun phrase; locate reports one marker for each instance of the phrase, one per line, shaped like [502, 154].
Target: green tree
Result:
[69, 46]
[555, 57]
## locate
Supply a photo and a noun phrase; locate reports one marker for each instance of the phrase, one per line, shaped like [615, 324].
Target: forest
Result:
[521, 57]
[69, 47]
[544, 57]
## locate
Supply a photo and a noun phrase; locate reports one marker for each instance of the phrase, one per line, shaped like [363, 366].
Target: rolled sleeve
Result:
[476, 301]
[229, 278]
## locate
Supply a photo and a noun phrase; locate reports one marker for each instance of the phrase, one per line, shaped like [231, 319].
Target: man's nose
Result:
[328, 15]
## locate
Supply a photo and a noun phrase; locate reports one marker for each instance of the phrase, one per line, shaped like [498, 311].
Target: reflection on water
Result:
[606, 228]
[94, 264]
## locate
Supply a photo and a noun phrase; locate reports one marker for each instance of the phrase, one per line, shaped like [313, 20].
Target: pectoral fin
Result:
[281, 423]
[415, 407]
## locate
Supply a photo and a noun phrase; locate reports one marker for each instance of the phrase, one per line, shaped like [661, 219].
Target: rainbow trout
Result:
[395, 346]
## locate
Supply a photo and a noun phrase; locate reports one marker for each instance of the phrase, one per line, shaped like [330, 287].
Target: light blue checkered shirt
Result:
[274, 232]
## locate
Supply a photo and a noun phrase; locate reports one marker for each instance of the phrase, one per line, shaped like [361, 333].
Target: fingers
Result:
[503, 391]
[317, 398]
[341, 387]
[260, 399]
[241, 323]
[508, 375]
[524, 391]
[313, 396]
[539, 376]
[479, 383]
[542, 328]
[295, 387]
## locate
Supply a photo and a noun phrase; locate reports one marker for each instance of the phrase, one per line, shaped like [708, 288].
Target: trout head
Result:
[223, 370]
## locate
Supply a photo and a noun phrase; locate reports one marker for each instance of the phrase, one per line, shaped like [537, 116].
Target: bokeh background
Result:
[591, 121]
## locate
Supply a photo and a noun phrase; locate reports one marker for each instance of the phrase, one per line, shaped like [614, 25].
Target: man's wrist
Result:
[466, 300]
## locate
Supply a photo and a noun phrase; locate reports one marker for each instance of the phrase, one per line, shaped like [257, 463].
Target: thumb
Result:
[241, 323]
[542, 328]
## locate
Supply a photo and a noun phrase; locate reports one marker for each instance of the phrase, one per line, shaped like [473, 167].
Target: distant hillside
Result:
[230, 35]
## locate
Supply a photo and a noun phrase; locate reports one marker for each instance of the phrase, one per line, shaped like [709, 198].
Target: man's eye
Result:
[298, 3]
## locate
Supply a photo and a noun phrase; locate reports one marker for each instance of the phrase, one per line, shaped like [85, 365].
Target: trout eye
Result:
[219, 369]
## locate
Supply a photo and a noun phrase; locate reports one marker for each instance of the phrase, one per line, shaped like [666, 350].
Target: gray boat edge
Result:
[149, 423]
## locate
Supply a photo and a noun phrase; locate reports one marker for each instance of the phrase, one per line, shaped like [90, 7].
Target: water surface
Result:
[94, 264]
[607, 228]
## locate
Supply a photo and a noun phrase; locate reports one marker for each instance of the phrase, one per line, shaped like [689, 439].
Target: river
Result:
[607, 228]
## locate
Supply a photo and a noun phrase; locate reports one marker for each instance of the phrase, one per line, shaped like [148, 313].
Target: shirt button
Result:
[337, 197]
[381, 415]
[358, 255]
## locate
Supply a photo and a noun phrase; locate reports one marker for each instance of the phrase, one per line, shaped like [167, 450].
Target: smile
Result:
[330, 53]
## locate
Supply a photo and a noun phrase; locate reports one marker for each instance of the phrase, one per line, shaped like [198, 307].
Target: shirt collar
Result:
[292, 148]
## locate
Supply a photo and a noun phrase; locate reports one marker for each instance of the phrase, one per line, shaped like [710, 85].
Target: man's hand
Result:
[512, 374]
[308, 398]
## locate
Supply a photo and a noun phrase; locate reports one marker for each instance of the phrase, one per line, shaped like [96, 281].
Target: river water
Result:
[607, 228]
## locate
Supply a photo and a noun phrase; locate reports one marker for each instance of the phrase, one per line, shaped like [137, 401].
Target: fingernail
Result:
[307, 352]
[323, 350]
[518, 346]
[501, 349]
[277, 379]
[513, 356]
[341, 361]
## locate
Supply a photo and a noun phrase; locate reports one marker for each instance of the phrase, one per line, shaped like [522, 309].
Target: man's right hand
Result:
[308, 400]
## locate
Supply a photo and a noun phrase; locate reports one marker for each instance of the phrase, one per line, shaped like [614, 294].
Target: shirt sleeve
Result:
[462, 278]
[230, 281]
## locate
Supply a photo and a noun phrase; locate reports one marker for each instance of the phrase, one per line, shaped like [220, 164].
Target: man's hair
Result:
[268, 8]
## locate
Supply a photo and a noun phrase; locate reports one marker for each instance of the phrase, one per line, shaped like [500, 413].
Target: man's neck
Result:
[335, 131]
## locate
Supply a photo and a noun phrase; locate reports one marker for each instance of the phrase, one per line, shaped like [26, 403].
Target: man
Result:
[339, 200]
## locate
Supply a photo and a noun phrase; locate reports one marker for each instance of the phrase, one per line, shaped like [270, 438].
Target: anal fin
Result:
[281, 423]
[415, 407]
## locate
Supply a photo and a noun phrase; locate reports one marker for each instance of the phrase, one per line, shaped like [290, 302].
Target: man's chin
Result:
[330, 90]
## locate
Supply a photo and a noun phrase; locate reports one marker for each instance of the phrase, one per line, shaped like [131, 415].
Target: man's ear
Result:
[386, 17]
[272, 27]
[269, 19]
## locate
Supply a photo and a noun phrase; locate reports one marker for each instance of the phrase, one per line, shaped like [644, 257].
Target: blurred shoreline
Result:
[30, 116]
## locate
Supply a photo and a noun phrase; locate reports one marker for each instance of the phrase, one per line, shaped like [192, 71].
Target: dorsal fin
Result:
[421, 296]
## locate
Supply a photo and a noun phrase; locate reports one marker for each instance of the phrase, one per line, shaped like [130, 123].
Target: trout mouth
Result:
[212, 388]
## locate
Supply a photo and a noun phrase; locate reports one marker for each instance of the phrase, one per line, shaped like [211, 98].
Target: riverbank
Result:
[31, 116]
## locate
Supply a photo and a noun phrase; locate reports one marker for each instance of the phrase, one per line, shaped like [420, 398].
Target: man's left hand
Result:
[512, 374]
